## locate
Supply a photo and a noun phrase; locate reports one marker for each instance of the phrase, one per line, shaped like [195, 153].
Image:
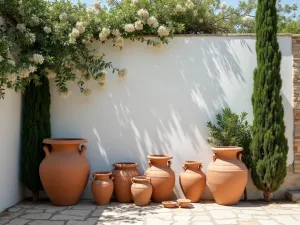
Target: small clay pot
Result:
[123, 174]
[102, 187]
[192, 180]
[183, 203]
[141, 190]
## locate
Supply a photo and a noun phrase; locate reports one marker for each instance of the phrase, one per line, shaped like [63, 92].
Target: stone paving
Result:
[204, 213]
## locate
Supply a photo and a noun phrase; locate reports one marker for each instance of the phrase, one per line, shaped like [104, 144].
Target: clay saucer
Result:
[183, 203]
[169, 204]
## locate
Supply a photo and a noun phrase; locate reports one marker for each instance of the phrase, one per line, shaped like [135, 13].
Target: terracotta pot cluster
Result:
[64, 173]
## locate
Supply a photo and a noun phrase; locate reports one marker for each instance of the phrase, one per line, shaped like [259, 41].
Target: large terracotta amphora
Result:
[192, 180]
[123, 174]
[162, 177]
[227, 175]
[64, 171]
[102, 187]
[141, 190]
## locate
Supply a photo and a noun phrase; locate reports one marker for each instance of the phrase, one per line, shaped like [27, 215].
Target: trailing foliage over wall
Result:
[269, 146]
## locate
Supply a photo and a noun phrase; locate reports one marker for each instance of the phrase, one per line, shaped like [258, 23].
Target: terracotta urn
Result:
[141, 190]
[123, 174]
[162, 177]
[227, 175]
[102, 187]
[192, 180]
[64, 171]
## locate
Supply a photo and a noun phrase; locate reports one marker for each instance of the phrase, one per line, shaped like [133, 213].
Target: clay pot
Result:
[102, 187]
[227, 175]
[162, 177]
[141, 190]
[123, 174]
[64, 171]
[192, 180]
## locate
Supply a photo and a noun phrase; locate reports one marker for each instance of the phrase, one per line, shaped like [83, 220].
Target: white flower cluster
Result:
[189, 4]
[152, 21]
[21, 27]
[246, 19]
[51, 74]
[138, 25]
[11, 62]
[129, 28]
[97, 5]
[31, 37]
[2, 21]
[159, 44]
[119, 42]
[32, 69]
[11, 77]
[1, 58]
[63, 16]
[105, 32]
[35, 20]
[163, 31]
[81, 27]
[87, 92]
[116, 32]
[143, 13]
[37, 58]
[122, 73]
[23, 73]
[223, 5]
[47, 30]
[179, 9]
[73, 35]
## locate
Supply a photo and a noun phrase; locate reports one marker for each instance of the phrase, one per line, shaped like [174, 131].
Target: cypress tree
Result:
[35, 127]
[269, 145]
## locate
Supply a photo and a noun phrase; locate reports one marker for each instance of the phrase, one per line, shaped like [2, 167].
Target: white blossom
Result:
[246, 19]
[21, 27]
[159, 44]
[35, 19]
[47, 30]
[105, 31]
[97, 5]
[179, 9]
[195, 13]
[75, 32]
[139, 25]
[51, 74]
[129, 28]
[223, 5]
[102, 78]
[102, 37]
[32, 69]
[122, 73]
[152, 21]
[163, 31]
[11, 62]
[87, 92]
[11, 77]
[143, 13]
[119, 42]
[80, 26]
[31, 37]
[1, 58]
[37, 58]
[201, 20]
[2, 21]
[189, 4]
[116, 32]
[24, 73]
[63, 16]
[92, 10]
[72, 40]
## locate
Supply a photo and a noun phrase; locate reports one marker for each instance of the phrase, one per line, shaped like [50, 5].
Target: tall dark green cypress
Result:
[269, 145]
[35, 127]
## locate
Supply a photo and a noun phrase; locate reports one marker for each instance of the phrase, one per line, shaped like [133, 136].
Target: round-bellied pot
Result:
[227, 175]
[162, 177]
[192, 180]
[102, 187]
[141, 190]
[123, 174]
[64, 171]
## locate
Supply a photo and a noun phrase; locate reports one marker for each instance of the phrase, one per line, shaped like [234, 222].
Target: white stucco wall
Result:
[164, 103]
[10, 124]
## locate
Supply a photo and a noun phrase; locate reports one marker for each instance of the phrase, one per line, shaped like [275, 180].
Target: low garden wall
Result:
[163, 104]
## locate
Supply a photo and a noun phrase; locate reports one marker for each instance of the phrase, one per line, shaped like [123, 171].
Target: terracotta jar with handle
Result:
[141, 190]
[227, 175]
[102, 187]
[123, 174]
[64, 171]
[192, 180]
[162, 177]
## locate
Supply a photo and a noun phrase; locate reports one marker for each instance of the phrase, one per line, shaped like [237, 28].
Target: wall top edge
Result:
[229, 35]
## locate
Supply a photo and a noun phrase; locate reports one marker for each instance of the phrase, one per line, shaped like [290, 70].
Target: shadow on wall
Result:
[164, 103]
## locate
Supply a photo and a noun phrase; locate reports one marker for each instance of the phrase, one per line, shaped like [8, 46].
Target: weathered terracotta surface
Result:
[141, 190]
[162, 177]
[123, 174]
[227, 175]
[64, 171]
[192, 180]
[102, 187]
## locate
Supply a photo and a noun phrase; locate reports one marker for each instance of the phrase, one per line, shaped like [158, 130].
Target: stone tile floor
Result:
[204, 213]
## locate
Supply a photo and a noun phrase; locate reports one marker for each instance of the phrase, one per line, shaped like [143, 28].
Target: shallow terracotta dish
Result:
[169, 204]
[183, 203]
